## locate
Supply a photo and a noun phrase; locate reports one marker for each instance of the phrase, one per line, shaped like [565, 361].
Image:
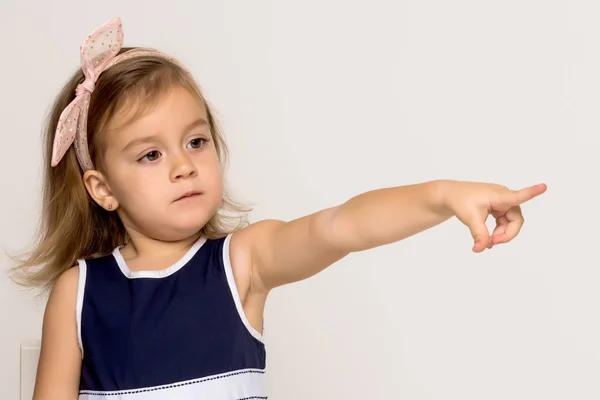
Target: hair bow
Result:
[97, 51]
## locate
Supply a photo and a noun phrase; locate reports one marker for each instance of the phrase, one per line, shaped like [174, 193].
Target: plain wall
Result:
[322, 100]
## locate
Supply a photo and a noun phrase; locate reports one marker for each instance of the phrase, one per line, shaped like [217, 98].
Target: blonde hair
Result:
[73, 226]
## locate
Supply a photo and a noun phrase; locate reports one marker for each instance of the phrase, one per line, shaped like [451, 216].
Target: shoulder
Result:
[59, 315]
[251, 235]
[245, 241]
[241, 253]
[65, 287]
[60, 355]
[60, 307]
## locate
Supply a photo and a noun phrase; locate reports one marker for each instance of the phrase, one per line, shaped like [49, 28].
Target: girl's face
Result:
[163, 168]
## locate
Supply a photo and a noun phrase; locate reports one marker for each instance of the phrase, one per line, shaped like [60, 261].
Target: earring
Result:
[110, 206]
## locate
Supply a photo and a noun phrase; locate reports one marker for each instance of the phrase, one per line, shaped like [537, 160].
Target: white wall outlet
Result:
[30, 354]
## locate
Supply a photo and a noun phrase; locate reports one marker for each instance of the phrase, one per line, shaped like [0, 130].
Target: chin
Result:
[171, 225]
[187, 227]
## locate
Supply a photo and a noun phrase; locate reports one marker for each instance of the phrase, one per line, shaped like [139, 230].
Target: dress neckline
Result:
[161, 273]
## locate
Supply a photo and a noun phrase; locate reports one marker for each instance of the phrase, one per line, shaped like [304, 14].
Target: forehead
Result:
[171, 111]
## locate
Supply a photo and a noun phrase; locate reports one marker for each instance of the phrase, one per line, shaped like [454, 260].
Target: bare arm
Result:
[283, 252]
[60, 357]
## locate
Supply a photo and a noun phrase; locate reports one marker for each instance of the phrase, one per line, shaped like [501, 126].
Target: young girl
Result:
[157, 288]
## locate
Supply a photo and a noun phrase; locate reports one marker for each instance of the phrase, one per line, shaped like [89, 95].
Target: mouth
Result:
[189, 195]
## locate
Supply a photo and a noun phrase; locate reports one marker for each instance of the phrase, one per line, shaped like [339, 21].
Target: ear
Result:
[98, 187]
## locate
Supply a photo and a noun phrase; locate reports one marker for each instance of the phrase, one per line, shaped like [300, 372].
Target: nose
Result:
[183, 168]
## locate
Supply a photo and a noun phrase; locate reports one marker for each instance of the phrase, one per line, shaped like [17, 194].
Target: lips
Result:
[188, 195]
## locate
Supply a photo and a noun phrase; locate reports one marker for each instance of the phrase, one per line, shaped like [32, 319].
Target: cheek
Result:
[135, 190]
[126, 191]
[209, 168]
[212, 176]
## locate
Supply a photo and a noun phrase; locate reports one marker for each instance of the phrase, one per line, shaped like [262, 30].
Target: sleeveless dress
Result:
[178, 333]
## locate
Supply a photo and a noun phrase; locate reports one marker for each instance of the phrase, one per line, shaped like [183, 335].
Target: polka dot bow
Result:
[98, 53]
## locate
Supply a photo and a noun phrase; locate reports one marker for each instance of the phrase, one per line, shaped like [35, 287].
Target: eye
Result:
[197, 143]
[151, 156]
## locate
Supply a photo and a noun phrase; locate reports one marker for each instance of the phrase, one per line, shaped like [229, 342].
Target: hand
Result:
[472, 203]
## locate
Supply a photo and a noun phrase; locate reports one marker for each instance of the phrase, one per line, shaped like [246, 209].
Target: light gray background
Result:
[322, 100]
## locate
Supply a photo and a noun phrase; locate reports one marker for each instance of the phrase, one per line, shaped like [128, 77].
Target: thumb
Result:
[479, 232]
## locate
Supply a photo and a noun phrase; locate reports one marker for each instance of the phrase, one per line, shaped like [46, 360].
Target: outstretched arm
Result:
[285, 252]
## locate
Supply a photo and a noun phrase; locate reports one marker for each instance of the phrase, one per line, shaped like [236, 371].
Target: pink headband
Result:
[98, 53]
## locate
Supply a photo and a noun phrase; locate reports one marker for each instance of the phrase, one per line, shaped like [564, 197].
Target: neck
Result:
[142, 246]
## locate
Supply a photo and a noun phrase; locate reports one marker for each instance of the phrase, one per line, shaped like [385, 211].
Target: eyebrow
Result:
[151, 138]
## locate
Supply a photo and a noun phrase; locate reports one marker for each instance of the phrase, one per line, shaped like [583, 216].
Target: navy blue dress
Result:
[177, 333]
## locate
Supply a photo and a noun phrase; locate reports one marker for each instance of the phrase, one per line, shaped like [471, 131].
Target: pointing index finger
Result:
[528, 193]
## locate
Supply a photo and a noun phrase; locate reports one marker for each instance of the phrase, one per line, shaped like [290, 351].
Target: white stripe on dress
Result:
[245, 384]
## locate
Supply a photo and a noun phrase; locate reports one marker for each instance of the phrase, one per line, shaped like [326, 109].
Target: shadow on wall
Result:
[30, 354]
